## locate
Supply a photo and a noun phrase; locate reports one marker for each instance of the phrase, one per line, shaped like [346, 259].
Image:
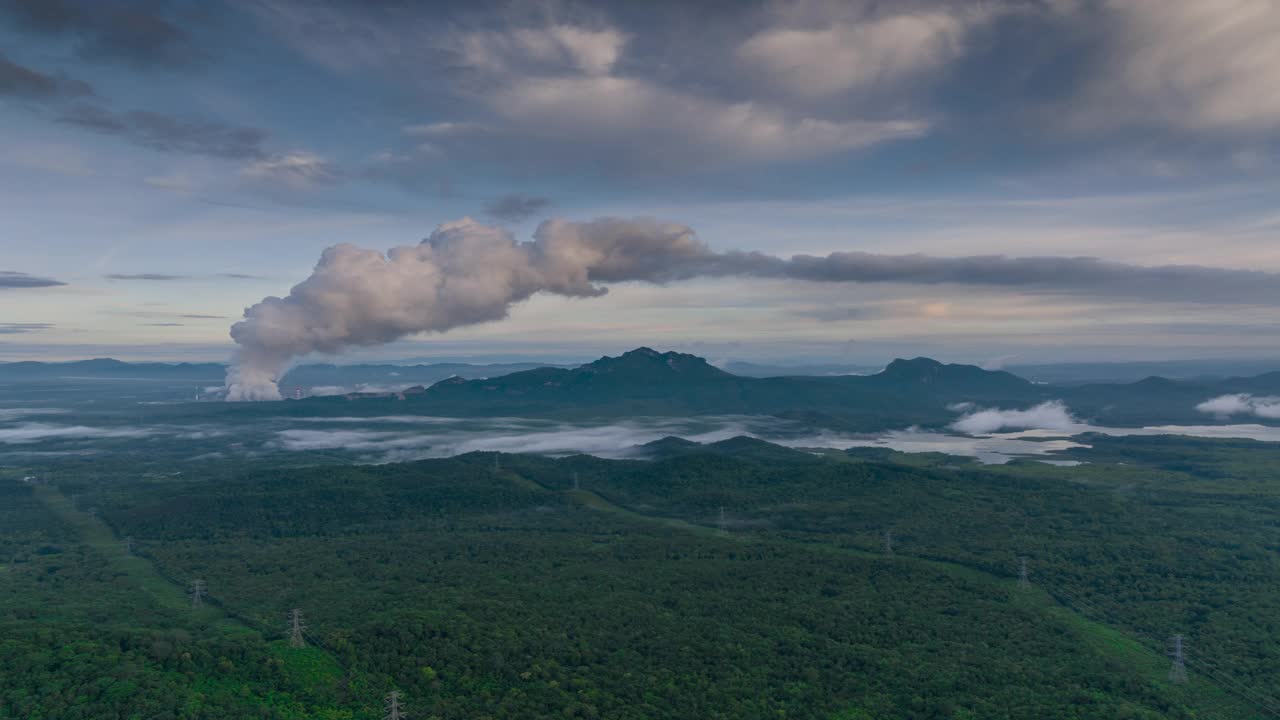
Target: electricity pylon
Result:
[296, 626]
[197, 593]
[1178, 673]
[1023, 582]
[393, 710]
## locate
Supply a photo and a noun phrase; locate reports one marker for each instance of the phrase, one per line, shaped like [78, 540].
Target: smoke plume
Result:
[464, 273]
[467, 273]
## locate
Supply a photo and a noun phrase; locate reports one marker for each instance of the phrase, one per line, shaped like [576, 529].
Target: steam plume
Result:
[464, 273]
[467, 273]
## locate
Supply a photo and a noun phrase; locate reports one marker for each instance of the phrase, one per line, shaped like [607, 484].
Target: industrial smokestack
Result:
[467, 273]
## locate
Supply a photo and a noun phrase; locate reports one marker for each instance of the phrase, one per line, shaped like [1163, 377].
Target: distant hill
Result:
[647, 382]
[305, 376]
[1078, 373]
[741, 447]
[110, 368]
[907, 392]
[753, 369]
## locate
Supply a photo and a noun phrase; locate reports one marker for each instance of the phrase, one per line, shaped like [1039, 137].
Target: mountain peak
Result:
[644, 361]
[920, 367]
[930, 372]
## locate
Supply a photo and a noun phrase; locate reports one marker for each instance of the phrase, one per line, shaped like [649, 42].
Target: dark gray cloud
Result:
[139, 32]
[1073, 275]
[202, 317]
[649, 251]
[168, 133]
[10, 280]
[240, 276]
[19, 328]
[70, 100]
[516, 207]
[143, 276]
[22, 81]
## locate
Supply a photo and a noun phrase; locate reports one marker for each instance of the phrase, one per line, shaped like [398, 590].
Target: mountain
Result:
[753, 369]
[741, 447]
[1079, 373]
[304, 376]
[111, 368]
[397, 376]
[644, 382]
[908, 392]
[647, 382]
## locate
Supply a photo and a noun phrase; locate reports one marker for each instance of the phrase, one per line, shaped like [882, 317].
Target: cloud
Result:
[1225, 406]
[167, 133]
[645, 124]
[297, 170]
[10, 280]
[392, 419]
[467, 273]
[839, 57]
[38, 432]
[562, 97]
[140, 32]
[144, 276]
[512, 435]
[234, 276]
[515, 207]
[162, 316]
[163, 324]
[22, 81]
[551, 48]
[19, 328]
[836, 313]
[1052, 415]
[1074, 275]
[1198, 66]
[7, 414]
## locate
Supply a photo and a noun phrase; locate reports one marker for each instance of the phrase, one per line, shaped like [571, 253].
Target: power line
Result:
[1221, 677]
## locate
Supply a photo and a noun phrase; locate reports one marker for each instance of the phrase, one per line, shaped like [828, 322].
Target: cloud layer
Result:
[1052, 415]
[11, 280]
[1225, 406]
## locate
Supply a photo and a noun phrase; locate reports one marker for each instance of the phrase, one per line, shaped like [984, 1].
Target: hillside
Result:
[647, 382]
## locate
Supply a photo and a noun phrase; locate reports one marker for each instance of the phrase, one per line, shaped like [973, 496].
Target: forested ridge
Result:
[488, 587]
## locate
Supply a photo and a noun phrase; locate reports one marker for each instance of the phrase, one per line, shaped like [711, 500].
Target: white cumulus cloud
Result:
[1242, 404]
[1051, 415]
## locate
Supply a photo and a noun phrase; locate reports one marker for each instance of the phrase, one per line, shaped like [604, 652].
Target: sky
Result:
[166, 165]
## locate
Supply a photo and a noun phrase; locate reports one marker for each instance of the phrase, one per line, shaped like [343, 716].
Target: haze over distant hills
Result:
[425, 370]
[645, 382]
[304, 375]
[920, 391]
